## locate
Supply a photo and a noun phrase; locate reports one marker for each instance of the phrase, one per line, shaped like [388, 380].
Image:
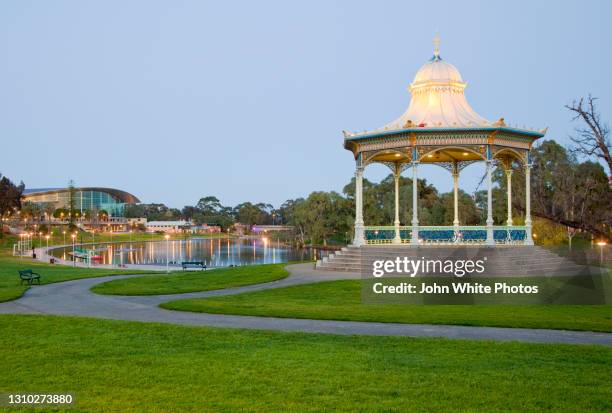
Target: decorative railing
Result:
[386, 234]
[447, 235]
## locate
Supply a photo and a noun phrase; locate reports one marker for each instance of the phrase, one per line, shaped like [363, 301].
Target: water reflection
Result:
[213, 252]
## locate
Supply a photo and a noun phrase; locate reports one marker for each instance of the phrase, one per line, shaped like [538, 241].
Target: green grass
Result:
[193, 280]
[10, 288]
[341, 300]
[128, 367]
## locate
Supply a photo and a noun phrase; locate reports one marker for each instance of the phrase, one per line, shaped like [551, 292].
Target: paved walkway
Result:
[75, 298]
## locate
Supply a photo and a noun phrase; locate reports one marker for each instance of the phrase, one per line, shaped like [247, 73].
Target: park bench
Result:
[29, 276]
[193, 264]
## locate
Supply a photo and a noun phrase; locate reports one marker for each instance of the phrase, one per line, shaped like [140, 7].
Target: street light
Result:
[47, 238]
[64, 232]
[73, 252]
[167, 252]
[601, 244]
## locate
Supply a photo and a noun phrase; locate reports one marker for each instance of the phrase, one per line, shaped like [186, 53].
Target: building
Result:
[206, 229]
[258, 229]
[111, 200]
[136, 222]
[169, 226]
[439, 127]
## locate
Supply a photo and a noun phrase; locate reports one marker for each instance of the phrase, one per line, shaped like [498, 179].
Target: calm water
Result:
[214, 252]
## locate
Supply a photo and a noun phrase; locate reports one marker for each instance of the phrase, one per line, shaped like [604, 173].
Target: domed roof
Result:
[438, 102]
[437, 70]
[438, 99]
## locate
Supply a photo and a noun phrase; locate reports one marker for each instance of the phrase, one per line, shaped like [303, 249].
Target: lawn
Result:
[194, 280]
[10, 288]
[342, 300]
[128, 366]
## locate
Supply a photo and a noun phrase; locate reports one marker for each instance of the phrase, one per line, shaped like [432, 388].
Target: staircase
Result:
[500, 260]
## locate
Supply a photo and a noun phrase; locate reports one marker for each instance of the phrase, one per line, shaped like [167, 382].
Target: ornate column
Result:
[509, 194]
[396, 175]
[415, 195]
[359, 229]
[490, 238]
[456, 194]
[528, 236]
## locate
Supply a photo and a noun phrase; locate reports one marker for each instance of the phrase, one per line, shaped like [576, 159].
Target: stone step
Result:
[519, 260]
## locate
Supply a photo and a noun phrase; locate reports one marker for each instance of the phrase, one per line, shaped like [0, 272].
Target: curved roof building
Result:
[86, 198]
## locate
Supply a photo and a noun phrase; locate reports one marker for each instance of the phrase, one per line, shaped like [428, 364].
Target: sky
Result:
[176, 100]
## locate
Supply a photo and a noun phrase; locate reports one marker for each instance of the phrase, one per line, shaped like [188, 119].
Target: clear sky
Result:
[175, 100]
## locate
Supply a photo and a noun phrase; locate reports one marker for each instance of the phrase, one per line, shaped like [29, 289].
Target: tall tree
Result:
[209, 205]
[10, 195]
[10, 198]
[591, 140]
[71, 201]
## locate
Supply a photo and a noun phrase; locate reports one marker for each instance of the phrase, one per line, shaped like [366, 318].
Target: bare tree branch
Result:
[592, 140]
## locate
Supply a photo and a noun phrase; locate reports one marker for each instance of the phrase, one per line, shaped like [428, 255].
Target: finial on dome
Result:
[436, 43]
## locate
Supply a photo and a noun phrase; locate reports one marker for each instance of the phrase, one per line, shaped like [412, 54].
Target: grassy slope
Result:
[341, 300]
[194, 281]
[10, 287]
[126, 366]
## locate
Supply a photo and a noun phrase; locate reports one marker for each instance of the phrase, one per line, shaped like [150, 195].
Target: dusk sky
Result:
[246, 101]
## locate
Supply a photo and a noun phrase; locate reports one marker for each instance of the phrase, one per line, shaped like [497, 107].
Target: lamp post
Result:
[47, 238]
[601, 245]
[73, 252]
[64, 232]
[167, 252]
[21, 245]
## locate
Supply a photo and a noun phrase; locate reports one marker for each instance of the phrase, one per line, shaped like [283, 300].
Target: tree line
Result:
[566, 191]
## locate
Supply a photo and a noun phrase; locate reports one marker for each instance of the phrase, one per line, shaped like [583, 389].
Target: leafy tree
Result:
[10, 196]
[249, 214]
[209, 205]
[153, 212]
[564, 191]
[60, 213]
[31, 210]
[320, 216]
[71, 201]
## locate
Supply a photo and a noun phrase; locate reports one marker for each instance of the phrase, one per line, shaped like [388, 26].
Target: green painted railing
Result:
[447, 235]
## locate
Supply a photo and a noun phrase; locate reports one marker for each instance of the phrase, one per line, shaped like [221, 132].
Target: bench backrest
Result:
[25, 272]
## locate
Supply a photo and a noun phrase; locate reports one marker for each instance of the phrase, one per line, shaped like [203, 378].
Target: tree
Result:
[320, 216]
[60, 213]
[48, 209]
[209, 205]
[249, 214]
[153, 212]
[566, 191]
[71, 201]
[10, 196]
[592, 139]
[189, 212]
[31, 210]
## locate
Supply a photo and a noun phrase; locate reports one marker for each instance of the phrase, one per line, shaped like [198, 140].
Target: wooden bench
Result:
[193, 264]
[29, 276]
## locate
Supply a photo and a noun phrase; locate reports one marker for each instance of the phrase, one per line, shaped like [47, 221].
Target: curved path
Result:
[74, 298]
